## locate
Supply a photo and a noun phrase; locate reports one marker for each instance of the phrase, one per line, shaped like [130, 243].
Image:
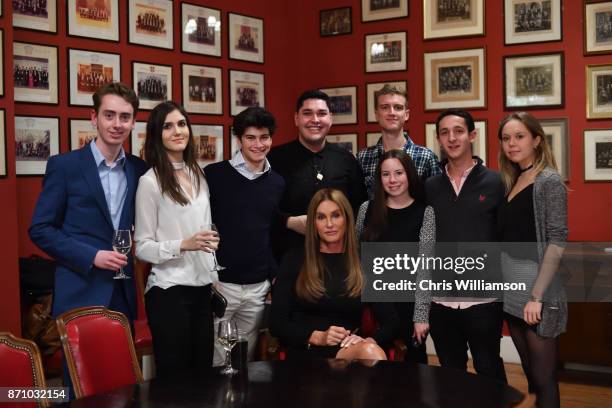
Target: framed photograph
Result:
[455, 79]
[343, 104]
[385, 52]
[137, 139]
[528, 21]
[599, 91]
[88, 70]
[234, 145]
[152, 83]
[35, 73]
[40, 16]
[371, 89]
[556, 131]
[246, 38]
[347, 141]
[209, 143]
[3, 169]
[81, 131]
[247, 89]
[533, 81]
[150, 23]
[336, 21]
[479, 146]
[201, 30]
[99, 19]
[453, 18]
[598, 28]
[373, 10]
[372, 138]
[598, 155]
[36, 139]
[202, 90]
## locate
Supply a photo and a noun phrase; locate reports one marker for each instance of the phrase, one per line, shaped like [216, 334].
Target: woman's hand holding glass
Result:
[203, 240]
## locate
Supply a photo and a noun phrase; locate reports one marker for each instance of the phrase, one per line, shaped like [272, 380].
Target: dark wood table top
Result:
[317, 383]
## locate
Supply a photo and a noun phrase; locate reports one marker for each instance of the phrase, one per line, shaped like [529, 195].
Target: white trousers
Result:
[245, 304]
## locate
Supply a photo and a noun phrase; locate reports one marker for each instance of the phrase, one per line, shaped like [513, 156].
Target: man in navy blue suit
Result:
[87, 195]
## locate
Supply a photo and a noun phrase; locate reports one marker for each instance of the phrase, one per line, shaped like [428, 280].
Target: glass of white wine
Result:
[227, 336]
[122, 243]
[217, 267]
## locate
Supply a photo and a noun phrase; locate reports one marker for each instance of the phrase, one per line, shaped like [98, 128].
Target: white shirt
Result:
[161, 225]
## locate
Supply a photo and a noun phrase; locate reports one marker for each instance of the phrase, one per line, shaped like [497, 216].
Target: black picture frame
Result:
[327, 13]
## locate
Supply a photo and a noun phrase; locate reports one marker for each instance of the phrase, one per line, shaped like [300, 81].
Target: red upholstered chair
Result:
[20, 364]
[99, 350]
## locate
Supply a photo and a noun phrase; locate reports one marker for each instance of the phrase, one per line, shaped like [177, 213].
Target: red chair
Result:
[142, 334]
[20, 364]
[99, 350]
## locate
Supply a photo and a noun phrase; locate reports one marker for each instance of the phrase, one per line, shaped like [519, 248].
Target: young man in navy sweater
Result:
[465, 200]
[244, 197]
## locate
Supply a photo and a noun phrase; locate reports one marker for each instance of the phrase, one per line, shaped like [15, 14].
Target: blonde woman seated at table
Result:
[316, 307]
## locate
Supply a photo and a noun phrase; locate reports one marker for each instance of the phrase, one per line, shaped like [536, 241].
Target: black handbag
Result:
[218, 302]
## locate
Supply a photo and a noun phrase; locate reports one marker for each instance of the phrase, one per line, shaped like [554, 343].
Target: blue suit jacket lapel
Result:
[92, 177]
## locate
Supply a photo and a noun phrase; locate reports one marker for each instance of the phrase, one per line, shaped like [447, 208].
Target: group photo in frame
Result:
[599, 91]
[98, 20]
[342, 104]
[202, 89]
[35, 73]
[598, 28]
[152, 83]
[81, 132]
[39, 17]
[246, 38]
[137, 139]
[347, 141]
[150, 23]
[3, 169]
[598, 155]
[209, 143]
[453, 18]
[528, 21]
[247, 90]
[374, 10]
[201, 30]
[385, 52]
[479, 145]
[372, 88]
[89, 70]
[337, 21]
[556, 131]
[36, 139]
[534, 80]
[455, 79]
[372, 138]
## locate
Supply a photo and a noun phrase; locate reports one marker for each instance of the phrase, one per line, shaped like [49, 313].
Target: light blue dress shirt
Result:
[114, 182]
[240, 165]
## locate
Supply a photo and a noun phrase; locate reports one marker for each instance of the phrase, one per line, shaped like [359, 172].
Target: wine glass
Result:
[227, 336]
[217, 267]
[122, 243]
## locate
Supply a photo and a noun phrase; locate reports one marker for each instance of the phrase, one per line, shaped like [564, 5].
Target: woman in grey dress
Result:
[535, 211]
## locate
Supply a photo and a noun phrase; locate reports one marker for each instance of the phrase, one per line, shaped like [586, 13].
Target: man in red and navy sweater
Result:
[244, 197]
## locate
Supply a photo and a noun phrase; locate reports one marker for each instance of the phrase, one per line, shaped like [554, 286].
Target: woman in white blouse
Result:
[172, 211]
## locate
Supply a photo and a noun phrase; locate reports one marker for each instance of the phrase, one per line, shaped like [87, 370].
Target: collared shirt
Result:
[457, 188]
[114, 182]
[241, 167]
[424, 159]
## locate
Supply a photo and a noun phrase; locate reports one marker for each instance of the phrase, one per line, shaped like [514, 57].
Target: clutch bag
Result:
[218, 302]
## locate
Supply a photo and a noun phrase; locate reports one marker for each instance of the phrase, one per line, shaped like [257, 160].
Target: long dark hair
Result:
[377, 222]
[155, 153]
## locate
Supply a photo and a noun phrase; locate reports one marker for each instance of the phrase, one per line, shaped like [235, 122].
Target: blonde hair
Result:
[543, 153]
[309, 284]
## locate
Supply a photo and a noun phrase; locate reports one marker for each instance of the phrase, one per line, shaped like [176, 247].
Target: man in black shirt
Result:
[309, 164]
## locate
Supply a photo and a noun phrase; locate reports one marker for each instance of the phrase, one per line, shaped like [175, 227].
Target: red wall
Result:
[297, 58]
[339, 61]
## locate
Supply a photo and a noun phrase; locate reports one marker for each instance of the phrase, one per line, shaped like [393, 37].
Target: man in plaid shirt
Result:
[392, 113]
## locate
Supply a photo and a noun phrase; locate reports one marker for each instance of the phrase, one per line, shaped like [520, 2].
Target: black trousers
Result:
[414, 354]
[478, 327]
[181, 323]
